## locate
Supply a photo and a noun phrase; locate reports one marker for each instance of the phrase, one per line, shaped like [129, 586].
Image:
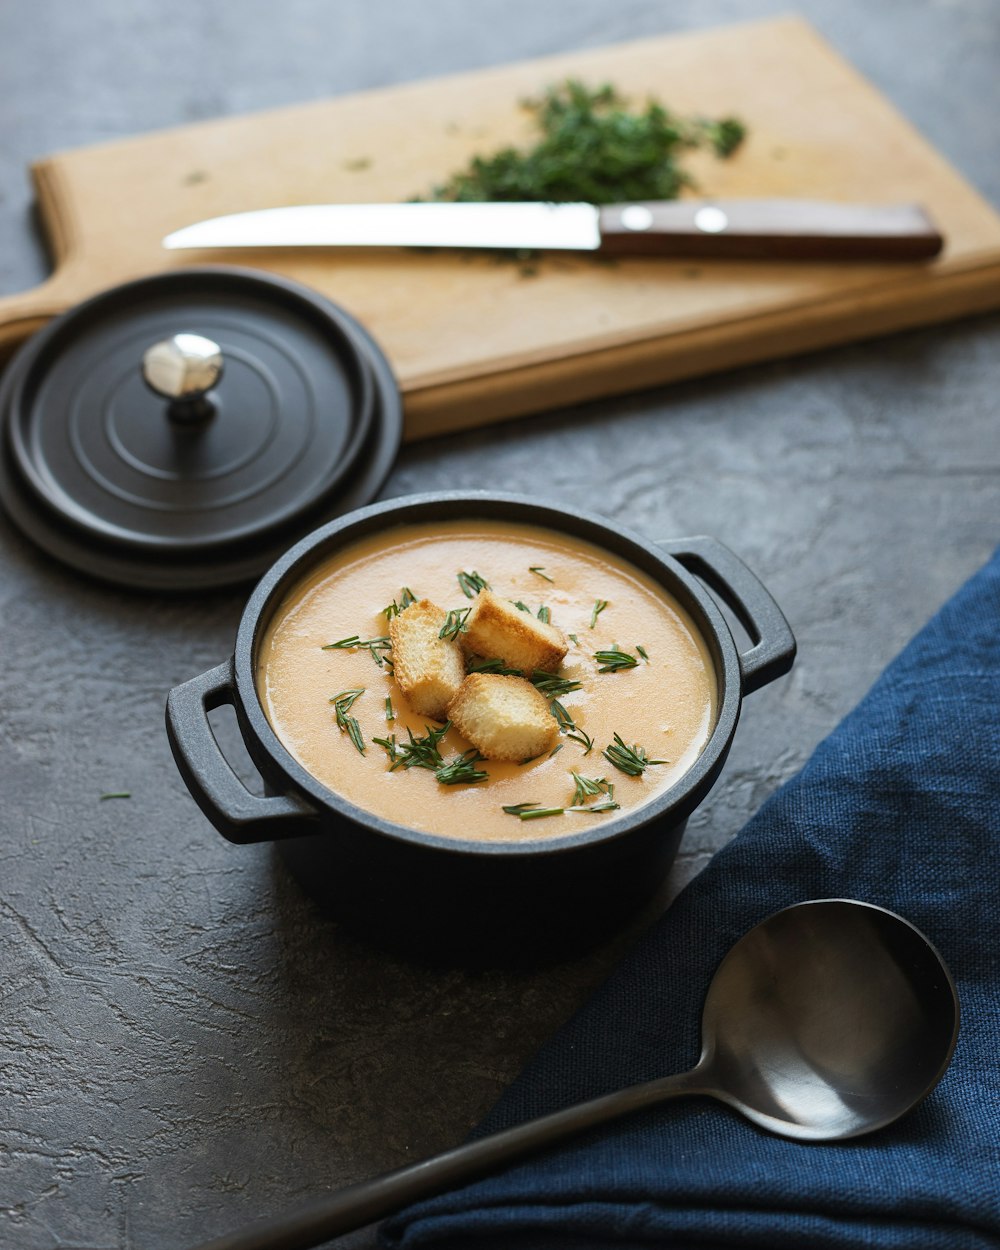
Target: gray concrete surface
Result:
[184, 1042]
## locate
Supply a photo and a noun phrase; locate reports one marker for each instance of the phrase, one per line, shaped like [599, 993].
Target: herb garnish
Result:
[117, 794]
[545, 615]
[522, 607]
[631, 760]
[593, 147]
[552, 685]
[405, 599]
[614, 660]
[587, 787]
[390, 715]
[563, 718]
[342, 704]
[462, 770]
[573, 638]
[495, 665]
[374, 646]
[584, 739]
[642, 652]
[418, 752]
[599, 607]
[471, 584]
[541, 573]
[455, 623]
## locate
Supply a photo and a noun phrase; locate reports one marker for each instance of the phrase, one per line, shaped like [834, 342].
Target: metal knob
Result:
[183, 368]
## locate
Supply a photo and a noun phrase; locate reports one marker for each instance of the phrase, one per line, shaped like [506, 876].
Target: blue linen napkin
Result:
[900, 806]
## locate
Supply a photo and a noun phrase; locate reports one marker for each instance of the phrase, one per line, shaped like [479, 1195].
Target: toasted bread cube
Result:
[505, 718]
[428, 669]
[495, 627]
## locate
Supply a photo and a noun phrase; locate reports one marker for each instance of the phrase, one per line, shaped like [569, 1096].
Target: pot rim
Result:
[679, 799]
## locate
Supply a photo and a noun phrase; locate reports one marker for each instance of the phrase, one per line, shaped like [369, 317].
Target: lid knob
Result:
[182, 369]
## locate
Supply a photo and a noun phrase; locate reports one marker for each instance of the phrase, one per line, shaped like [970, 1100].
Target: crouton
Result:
[495, 627]
[505, 718]
[428, 669]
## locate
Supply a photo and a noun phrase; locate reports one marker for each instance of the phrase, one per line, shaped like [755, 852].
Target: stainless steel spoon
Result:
[828, 1020]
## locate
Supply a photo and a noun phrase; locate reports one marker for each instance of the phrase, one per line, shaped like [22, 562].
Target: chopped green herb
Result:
[541, 573]
[376, 647]
[587, 787]
[614, 660]
[593, 146]
[584, 739]
[496, 665]
[642, 652]
[523, 607]
[556, 749]
[417, 752]
[599, 607]
[454, 623]
[631, 760]
[515, 809]
[606, 805]
[573, 638]
[471, 584]
[405, 599]
[342, 704]
[545, 615]
[462, 770]
[390, 715]
[533, 813]
[552, 685]
[116, 794]
[563, 718]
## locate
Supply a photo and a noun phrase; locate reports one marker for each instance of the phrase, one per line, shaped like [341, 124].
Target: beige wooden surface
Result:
[473, 340]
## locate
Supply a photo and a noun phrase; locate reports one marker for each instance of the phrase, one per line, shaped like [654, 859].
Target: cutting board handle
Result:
[25, 312]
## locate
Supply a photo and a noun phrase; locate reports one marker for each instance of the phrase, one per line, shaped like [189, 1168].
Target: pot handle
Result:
[724, 572]
[237, 814]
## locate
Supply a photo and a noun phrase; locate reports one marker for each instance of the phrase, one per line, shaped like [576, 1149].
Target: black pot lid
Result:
[183, 430]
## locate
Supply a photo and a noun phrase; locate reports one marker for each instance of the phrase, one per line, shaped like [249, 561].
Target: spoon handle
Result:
[374, 1199]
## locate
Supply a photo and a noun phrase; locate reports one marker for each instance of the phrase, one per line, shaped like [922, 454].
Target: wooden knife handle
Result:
[769, 229]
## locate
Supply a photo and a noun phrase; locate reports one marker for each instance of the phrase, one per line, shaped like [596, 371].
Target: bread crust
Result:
[505, 718]
[428, 669]
[496, 628]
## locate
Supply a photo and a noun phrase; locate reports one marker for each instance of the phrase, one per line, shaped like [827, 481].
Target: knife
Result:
[723, 229]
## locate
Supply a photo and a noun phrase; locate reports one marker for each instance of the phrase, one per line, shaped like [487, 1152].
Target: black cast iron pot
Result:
[445, 895]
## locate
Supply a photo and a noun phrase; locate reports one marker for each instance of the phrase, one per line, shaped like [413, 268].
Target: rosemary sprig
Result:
[417, 752]
[495, 665]
[584, 739]
[556, 749]
[462, 770]
[614, 660]
[342, 704]
[455, 623]
[405, 599]
[545, 615]
[631, 760]
[376, 647]
[116, 794]
[552, 685]
[563, 718]
[606, 805]
[471, 584]
[531, 811]
[522, 607]
[642, 652]
[540, 572]
[588, 787]
[390, 715]
[599, 606]
[573, 639]
[515, 809]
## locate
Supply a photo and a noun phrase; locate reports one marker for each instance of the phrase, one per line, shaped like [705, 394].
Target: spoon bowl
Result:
[827, 1020]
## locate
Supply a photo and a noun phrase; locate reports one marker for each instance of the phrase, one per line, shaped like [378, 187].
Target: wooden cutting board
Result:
[473, 340]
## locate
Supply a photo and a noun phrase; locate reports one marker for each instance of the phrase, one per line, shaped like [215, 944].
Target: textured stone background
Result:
[184, 1042]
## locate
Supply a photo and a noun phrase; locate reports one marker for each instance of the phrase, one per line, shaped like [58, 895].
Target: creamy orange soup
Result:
[665, 705]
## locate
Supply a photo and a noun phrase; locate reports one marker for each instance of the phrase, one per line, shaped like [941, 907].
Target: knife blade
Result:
[727, 229]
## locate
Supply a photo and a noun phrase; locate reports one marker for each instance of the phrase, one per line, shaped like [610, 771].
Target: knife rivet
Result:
[711, 220]
[182, 369]
[636, 217]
